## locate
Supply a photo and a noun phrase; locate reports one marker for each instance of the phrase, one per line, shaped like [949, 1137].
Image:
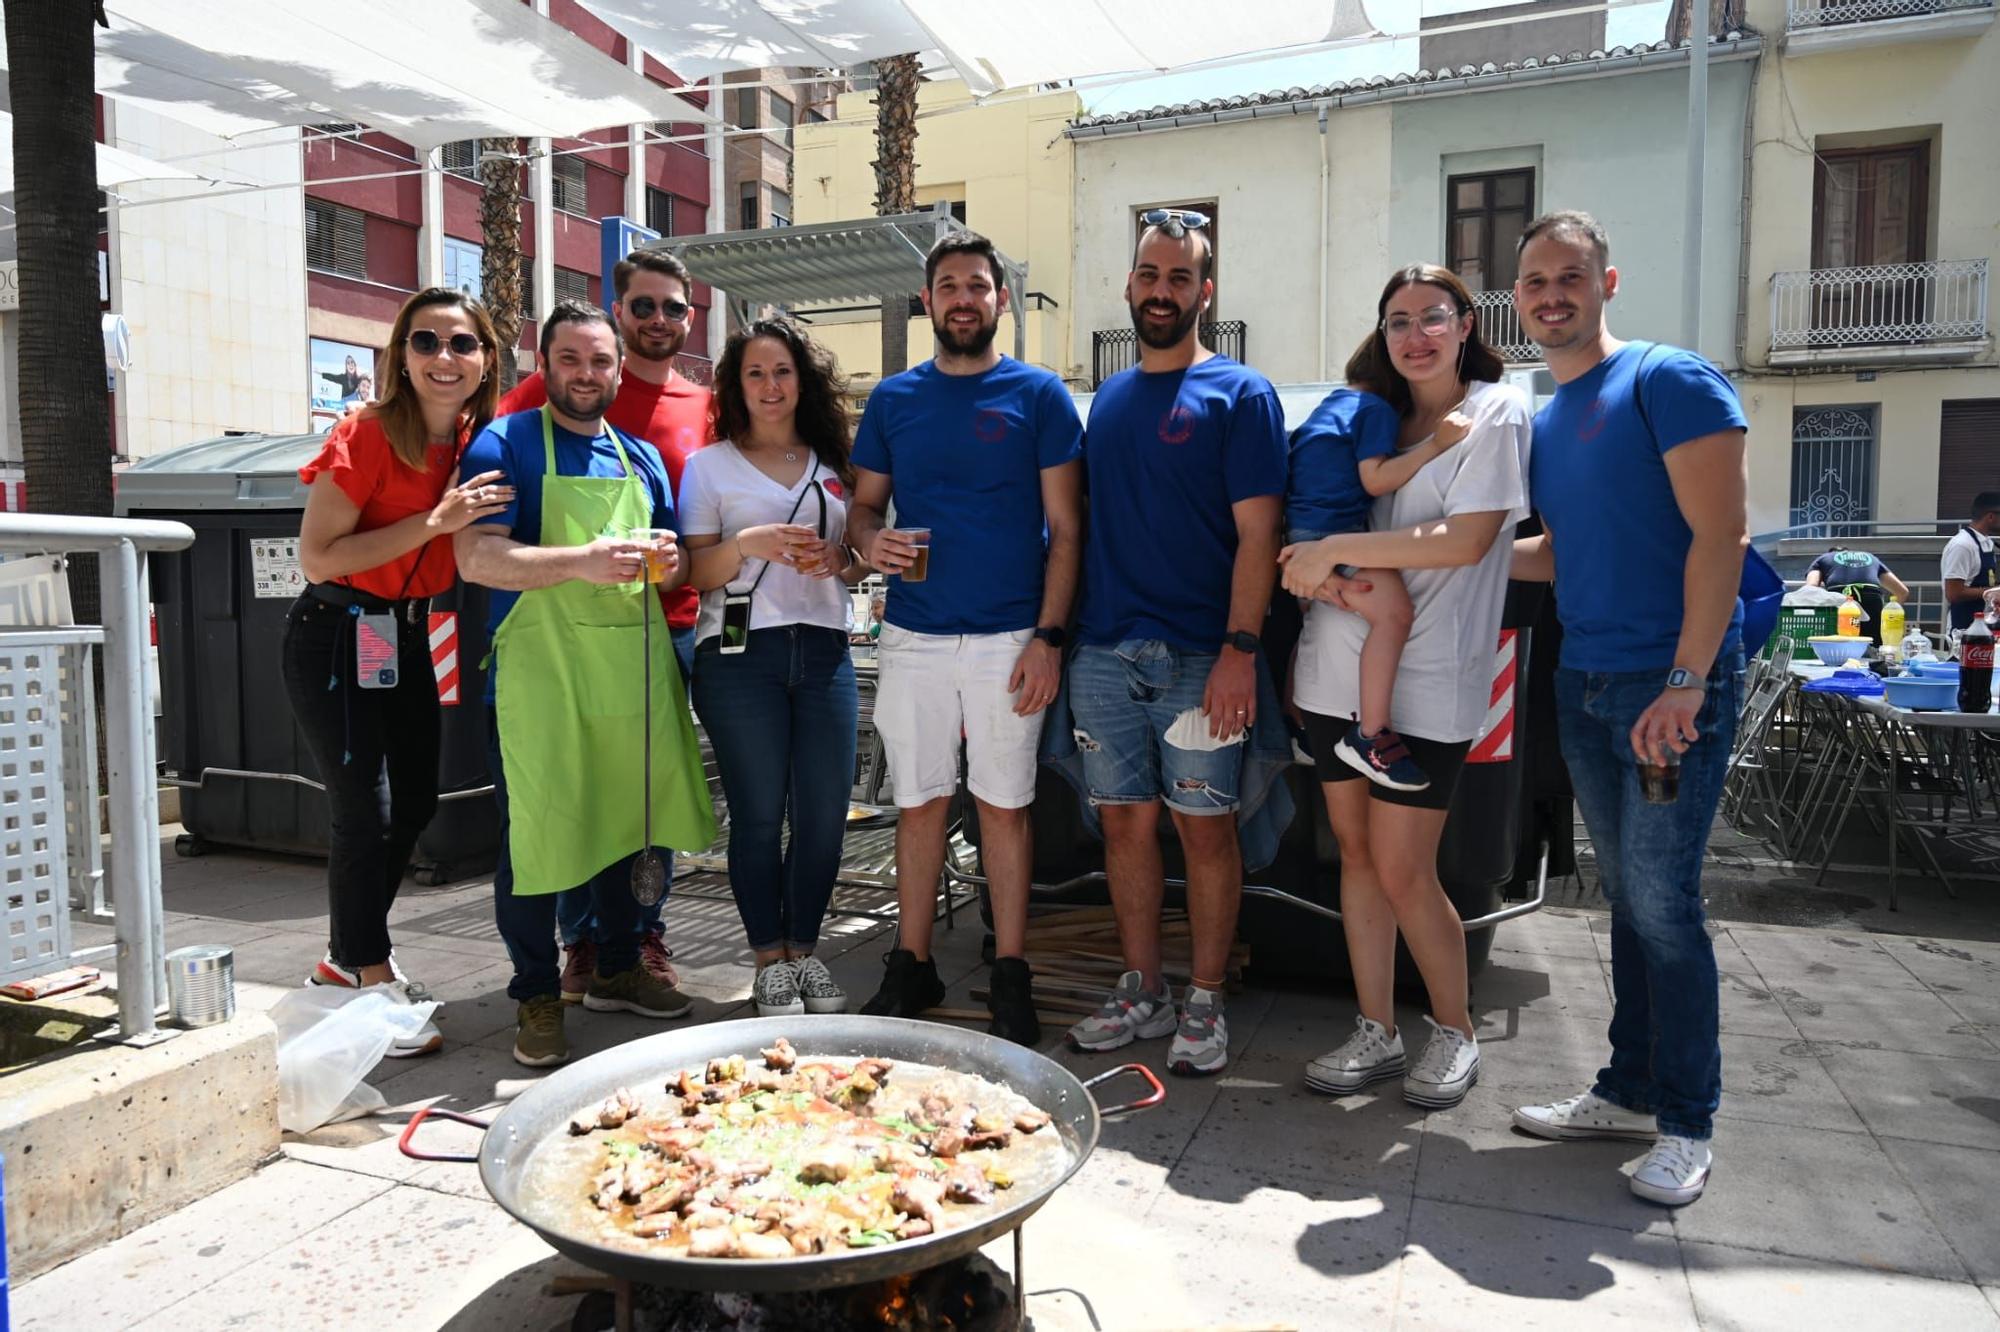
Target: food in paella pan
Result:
[792, 1155]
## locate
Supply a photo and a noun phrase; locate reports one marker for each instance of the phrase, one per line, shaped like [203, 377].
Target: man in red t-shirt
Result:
[670, 412]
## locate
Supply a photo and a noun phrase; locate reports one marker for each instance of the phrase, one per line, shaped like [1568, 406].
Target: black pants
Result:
[377, 751]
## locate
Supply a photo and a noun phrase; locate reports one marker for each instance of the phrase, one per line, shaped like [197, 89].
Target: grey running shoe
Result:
[817, 987]
[1369, 1056]
[1127, 1014]
[1201, 1044]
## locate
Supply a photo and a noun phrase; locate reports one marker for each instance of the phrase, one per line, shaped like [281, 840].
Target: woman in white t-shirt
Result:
[763, 514]
[1449, 530]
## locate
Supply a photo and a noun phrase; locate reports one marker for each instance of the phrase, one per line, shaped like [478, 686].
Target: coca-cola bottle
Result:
[1975, 666]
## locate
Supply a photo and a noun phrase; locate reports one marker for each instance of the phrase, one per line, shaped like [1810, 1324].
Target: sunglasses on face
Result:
[1176, 222]
[425, 342]
[645, 307]
[1432, 321]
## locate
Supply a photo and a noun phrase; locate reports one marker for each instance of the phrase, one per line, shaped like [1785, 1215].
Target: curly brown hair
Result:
[824, 421]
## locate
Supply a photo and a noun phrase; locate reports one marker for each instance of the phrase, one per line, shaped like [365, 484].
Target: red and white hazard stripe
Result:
[1496, 737]
[444, 655]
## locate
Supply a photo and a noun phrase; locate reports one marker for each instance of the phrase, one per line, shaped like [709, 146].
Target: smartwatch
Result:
[1244, 641]
[1054, 635]
[1680, 677]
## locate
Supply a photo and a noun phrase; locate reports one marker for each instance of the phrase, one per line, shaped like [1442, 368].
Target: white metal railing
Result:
[1805, 15]
[1500, 325]
[1941, 300]
[121, 545]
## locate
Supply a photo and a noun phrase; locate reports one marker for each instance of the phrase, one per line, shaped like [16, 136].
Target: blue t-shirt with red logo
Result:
[1166, 455]
[1326, 494]
[1598, 475]
[965, 455]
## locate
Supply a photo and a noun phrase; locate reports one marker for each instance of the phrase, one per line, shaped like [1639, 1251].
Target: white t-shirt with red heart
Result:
[722, 493]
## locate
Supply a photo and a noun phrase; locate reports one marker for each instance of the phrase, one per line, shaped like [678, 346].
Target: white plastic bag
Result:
[328, 1040]
[1815, 596]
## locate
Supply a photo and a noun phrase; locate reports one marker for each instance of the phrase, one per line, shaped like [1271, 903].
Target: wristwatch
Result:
[1680, 677]
[1054, 635]
[1244, 641]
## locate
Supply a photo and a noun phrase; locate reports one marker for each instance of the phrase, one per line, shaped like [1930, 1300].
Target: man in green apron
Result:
[569, 681]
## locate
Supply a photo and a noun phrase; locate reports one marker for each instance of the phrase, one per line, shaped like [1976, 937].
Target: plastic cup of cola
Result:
[655, 539]
[1661, 782]
[920, 569]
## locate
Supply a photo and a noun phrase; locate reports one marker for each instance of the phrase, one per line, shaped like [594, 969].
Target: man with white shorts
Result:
[980, 454]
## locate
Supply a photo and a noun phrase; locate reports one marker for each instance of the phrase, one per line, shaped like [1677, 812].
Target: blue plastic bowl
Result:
[1921, 695]
[1942, 670]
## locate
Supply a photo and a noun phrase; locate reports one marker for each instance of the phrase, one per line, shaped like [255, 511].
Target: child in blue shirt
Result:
[1344, 457]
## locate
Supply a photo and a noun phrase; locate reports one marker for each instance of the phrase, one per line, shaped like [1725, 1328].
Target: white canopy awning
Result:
[992, 46]
[429, 73]
[115, 166]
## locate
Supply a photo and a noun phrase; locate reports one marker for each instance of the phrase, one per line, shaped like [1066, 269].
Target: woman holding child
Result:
[1390, 675]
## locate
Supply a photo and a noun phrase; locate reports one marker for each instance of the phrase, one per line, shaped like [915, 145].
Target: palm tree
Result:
[896, 81]
[500, 255]
[65, 413]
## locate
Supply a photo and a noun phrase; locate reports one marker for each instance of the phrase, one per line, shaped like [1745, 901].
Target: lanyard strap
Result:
[812, 484]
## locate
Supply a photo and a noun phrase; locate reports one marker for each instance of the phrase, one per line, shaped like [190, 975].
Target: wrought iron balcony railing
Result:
[1115, 349]
[1500, 325]
[1936, 304]
[1812, 15]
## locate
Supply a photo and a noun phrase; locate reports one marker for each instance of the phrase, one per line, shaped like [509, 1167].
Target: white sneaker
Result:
[427, 1039]
[1445, 1071]
[1127, 1014]
[1586, 1115]
[1370, 1055]
[776, 990]
[1675, 1172]
[817, 988]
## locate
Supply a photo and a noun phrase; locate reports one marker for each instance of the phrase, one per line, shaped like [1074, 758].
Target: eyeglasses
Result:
[426, 342]
[1432, 321]
[645, 307]
[1176, 222]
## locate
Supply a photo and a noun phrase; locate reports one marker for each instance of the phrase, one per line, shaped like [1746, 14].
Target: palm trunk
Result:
[897, 81]
[65, 412]
[500, 257]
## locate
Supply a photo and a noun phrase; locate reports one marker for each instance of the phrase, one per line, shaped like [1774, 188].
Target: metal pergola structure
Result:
[864, 261]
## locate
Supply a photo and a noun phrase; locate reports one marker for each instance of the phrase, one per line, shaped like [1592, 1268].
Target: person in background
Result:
[664, 408]
[375, 545]
[1968, 566]
[1864, 577]
[764, 516]
[585, 697]
[1639, 475]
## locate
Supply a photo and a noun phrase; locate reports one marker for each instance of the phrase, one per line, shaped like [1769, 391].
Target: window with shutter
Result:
[461, 158]
[568, 184]
[1968, 453]
[660, 211]
[336, 239]
[572, 285]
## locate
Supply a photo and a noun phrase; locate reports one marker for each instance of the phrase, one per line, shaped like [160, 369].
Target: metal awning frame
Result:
[868, 259]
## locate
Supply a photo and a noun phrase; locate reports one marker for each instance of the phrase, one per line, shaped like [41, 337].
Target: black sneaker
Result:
[1010, 998]
[908, 986]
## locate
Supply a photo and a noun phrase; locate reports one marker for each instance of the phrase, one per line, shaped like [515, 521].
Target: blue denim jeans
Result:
[1124, 701]
[1665, 1057]
[528, 923]
[781, 715]
[573, 915]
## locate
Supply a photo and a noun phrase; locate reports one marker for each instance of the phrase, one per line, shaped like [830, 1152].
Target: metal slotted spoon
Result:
[649, 872]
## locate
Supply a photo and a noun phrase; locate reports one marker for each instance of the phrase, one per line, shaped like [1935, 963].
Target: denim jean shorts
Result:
[1125, 701]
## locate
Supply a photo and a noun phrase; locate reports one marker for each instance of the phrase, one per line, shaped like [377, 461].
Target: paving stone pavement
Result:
[1857, 1149]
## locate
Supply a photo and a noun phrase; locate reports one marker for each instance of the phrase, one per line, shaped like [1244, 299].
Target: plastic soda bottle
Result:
[1850, 618]
[1893, 620]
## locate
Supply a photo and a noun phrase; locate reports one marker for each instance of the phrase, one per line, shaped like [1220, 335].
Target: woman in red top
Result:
[375, 546]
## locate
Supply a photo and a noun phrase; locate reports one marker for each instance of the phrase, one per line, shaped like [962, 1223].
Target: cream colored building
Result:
[1867, 353]
[1005, 169]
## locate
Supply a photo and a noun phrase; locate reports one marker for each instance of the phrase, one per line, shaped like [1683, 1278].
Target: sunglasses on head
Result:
[645, 307]
[1176, 222]
[426, 342]
[1432, 321]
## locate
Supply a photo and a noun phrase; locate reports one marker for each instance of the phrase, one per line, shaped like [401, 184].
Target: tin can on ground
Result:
[201, 985]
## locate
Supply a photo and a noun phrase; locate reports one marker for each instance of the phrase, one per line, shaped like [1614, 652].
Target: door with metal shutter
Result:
[1968, 453]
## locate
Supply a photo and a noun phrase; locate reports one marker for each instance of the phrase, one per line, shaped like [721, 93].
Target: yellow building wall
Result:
[1944, 89]
[1008, 161]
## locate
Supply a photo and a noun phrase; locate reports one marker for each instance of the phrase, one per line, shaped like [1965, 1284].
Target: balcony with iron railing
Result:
[1917, 314]
[1500, 326]
[1115, 349]
[1824, 25]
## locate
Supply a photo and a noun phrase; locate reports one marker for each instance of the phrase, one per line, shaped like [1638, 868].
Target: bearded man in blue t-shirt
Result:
[1185, 461]
[1638, 471]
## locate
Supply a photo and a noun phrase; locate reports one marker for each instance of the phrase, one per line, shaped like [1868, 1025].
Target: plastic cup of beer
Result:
[1661, 782]
[920, 569]
[811, 562]
[656, 557]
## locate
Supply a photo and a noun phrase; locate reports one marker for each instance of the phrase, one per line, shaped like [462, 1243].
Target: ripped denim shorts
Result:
[1140, 728]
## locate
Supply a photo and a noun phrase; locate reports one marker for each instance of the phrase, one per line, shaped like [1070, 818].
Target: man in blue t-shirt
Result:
[979, 454]
[1638, 473]
[1185, 463]
[511, 553]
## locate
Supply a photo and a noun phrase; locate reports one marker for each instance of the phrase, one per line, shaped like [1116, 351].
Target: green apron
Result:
[571, 700]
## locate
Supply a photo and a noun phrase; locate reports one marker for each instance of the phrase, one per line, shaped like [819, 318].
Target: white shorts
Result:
[936, 688]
